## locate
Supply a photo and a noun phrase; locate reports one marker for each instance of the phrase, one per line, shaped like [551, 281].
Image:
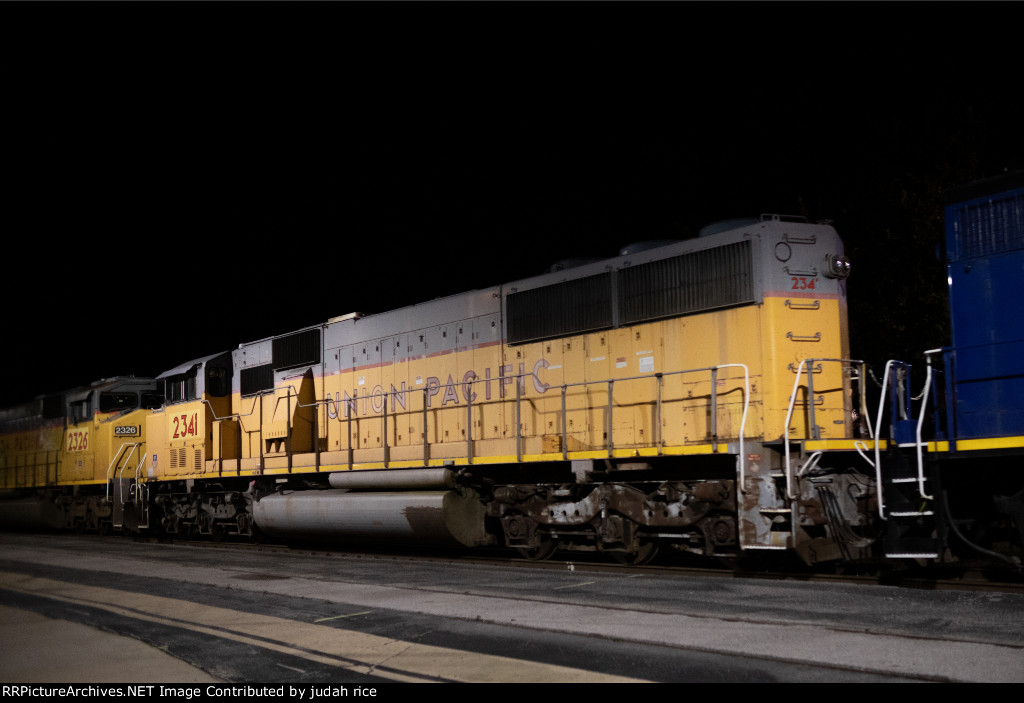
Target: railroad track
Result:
[967, 578]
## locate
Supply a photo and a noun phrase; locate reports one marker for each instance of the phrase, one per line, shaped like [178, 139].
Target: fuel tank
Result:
[434, 517]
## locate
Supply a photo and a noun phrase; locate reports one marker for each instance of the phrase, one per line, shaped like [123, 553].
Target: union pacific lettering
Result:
[451, 392]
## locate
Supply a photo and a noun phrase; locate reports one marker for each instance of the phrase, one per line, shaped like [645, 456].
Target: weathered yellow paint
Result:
[802, 328]
[80, 454]
[845, 445]
[187, 441]
[642, 391]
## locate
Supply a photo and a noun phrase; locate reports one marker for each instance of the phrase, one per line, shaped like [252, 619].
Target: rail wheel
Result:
[218, 532]
[643, 555]
[204, 523]
[539, 553]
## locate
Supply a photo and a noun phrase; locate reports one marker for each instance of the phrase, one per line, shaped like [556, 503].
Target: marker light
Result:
[837, 266]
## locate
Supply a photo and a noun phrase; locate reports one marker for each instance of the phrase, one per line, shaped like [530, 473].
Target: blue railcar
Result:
[959, 480]
[984, 367]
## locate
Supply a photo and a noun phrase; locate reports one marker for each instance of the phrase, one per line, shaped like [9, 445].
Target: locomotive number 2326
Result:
[184, 426]
[77, 441]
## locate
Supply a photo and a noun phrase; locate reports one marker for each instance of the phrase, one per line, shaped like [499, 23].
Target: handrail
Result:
[920, 424]
[918, 443]
[519, 381]
[878, 450]
[138, 468]
[811, 426]
[116, 460]
[120, 479]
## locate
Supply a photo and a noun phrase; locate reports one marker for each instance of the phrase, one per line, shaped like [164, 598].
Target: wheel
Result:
[244, 525]
[218, 532]
[539, 553]
[644, 555]
[204, 523]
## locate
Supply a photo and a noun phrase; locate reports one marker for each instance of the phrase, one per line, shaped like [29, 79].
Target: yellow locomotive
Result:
[669, 397]
[72, 459]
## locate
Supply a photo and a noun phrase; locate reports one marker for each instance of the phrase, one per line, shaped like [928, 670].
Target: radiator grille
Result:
[984, 227]
[299, 349]
[682, 285]
[256, 378]
[570, 307]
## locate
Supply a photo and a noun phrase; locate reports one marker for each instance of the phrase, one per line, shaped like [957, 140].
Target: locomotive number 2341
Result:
[184, 426]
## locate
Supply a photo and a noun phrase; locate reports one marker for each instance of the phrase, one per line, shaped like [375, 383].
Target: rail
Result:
[117, 461]
[812, 426]
[236, 416]
[919, 444]
[920, 425]
[26, 469]
[388, 399]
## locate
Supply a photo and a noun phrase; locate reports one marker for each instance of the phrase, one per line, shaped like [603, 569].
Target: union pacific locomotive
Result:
[695, 396]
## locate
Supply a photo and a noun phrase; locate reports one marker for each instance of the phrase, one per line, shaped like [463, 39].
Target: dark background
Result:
[181, 179]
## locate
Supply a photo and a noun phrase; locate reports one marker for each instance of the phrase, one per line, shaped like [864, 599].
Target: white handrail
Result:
[920, 424]
[878, 449]
[789, 416]
[918, 443]
[114, 461]
[743, 420]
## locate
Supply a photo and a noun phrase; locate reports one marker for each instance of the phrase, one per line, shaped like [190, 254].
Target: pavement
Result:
[38, 649]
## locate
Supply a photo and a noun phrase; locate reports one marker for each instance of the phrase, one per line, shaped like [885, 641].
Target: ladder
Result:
[907, 485]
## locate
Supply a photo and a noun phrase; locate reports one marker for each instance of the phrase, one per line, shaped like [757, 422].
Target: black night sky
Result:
[224, 173]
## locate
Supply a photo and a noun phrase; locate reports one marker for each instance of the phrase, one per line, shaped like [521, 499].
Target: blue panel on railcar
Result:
[985, 367]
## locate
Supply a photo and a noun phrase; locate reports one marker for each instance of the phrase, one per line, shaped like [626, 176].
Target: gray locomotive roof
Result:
[117, 382]
[182, 368]
[355, 329]
[432, 313]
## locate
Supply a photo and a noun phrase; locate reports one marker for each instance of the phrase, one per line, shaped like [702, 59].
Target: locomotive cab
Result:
[76, 453]
[192, 438]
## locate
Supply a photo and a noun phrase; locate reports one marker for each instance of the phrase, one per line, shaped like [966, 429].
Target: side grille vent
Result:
[256, 379]
[703, 280]
[178, 460]
[687, 284]
[299, 349]
[566, 308]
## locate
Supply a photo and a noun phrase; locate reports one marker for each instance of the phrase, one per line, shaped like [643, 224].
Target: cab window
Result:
[181, 387]
[118, 402]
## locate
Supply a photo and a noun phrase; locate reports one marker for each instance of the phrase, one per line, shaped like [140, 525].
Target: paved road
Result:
[239, 616]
